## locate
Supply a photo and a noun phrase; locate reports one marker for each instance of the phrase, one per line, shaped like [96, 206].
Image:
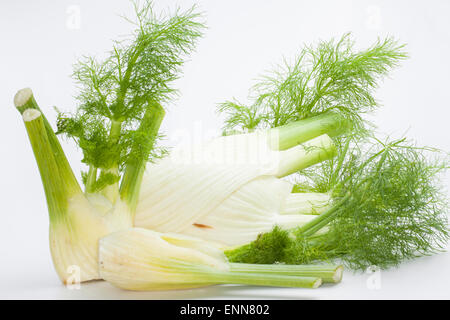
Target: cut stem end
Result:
[22, 97]
[30, 115]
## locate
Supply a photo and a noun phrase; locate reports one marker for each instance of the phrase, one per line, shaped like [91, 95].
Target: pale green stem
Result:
[114, 134]
[295, 133]
[328, 273]
[55, 180]
[135, 167]
[320, 221]
[290, 221]
[24, 100]
[308, 203]
[264, 279]
[111, 191]
[305, 155]
[91, 179]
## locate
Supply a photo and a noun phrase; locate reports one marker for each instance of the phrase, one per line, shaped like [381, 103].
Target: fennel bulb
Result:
[229, 190]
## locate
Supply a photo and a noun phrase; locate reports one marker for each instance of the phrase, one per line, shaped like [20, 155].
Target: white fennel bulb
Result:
[229, 190]
[254, 208]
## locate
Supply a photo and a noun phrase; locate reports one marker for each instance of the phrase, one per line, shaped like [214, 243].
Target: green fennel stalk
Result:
[58, 183]
[23, 100]
[328, 273]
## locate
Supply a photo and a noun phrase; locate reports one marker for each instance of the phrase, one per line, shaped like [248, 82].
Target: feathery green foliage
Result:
[387, 208]
[330, 77]
[387, 203]
[266, 249]
[116, 93]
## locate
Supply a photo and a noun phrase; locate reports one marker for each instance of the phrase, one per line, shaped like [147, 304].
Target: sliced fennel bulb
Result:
[228, 190]
[141, 259]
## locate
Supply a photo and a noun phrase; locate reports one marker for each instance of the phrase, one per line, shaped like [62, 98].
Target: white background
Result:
[40, 40]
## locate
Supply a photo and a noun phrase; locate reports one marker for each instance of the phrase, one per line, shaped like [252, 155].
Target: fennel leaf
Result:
[328, 77]
[115, 94]
[388, 207]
